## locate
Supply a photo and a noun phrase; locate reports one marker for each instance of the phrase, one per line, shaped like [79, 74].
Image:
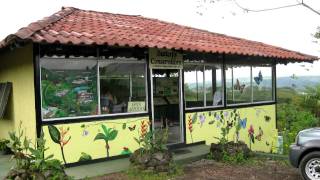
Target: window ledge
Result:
[243, 105]
[93, 118]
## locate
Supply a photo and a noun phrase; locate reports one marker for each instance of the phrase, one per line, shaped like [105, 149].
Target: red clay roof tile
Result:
[75, 26]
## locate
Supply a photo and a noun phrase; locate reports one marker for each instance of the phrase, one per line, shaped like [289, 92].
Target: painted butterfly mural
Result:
[267, 118]
[267, 143]
[260, 134]
[258, 79]
[229, 124]
[243, 123]
[132, 128]
[239, 87]
[202, 119]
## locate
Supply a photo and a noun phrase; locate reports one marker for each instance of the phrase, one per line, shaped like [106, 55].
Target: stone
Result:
[231, 148]
[158, 161]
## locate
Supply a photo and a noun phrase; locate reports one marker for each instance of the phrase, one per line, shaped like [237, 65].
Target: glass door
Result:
[166, 98]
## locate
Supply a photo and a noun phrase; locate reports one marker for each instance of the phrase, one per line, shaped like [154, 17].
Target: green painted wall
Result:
[16, 66]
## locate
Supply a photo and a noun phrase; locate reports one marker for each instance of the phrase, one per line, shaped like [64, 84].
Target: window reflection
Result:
[238, 84]
[122, 85]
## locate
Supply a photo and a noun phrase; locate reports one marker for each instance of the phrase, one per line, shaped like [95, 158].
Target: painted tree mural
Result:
[108, 134]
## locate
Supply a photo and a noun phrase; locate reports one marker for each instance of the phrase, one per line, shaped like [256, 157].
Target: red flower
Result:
[143, 128]
[251, 130]
[190, 123]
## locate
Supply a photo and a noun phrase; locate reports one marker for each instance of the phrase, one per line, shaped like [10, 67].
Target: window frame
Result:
[98, 61]
[252, 102]
[204, 65]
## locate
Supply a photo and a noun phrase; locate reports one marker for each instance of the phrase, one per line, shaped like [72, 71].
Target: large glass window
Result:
[203, 85]
[262, 84]
[214, 88]
[238, 84]
[193, 86]
[247, 84]
[78, 87]
[69, 88]
[122, 87]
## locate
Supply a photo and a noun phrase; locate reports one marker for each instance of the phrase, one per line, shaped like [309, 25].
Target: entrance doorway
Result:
[166, 95]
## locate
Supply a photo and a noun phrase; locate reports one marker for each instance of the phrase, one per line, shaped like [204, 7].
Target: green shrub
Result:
[153, 141]
[237, 158]
[291, 120]
[4, 144]
[30, 159]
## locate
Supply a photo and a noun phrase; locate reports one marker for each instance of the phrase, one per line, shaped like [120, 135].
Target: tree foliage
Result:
[297, 111]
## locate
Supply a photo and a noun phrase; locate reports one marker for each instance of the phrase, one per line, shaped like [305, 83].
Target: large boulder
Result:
[158, 161]
[231, 148]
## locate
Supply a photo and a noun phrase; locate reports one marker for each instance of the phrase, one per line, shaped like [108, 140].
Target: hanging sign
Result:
[136, 106]
[165, 59]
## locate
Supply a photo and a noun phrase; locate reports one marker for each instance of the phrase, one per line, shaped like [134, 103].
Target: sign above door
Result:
[165, 59]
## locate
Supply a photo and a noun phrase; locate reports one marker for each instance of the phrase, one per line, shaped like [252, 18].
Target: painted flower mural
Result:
[251, 135]
[190, 126]
[143, 128]
[202, 119]
[58, 136]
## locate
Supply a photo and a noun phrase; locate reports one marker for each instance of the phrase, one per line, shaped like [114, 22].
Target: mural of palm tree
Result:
[108, 134]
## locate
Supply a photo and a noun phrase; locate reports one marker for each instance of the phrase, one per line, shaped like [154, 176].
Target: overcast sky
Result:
[290, 28]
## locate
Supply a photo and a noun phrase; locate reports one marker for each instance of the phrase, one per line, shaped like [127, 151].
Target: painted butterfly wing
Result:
[260, 76]
[258, 137]
[257, 80]
[237, 85]
[242, 88]
[267, 118]
[243, 123]
[132, 128]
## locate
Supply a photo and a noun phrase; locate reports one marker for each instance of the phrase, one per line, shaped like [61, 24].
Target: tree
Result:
[312, 100]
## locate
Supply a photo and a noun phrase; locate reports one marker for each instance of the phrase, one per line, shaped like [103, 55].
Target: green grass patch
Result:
[138, 174]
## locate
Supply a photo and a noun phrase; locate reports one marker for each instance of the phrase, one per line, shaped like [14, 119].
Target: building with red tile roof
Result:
[93, 82]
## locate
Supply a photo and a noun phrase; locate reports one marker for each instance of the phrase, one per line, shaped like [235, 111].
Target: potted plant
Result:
[4, 149]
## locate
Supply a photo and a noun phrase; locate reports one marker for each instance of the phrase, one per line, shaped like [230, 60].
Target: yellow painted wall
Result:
[82, 137]
[16, 66]
[206, 126]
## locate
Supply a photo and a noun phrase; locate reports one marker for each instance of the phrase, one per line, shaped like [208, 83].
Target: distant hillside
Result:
[298, 83]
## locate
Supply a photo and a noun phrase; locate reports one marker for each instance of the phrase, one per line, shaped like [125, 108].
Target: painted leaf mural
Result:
[126, 151]
[84, 157]
[54, 134]
[108, 134]
[85, 134]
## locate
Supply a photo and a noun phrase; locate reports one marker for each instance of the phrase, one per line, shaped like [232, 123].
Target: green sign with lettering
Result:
[165, 59]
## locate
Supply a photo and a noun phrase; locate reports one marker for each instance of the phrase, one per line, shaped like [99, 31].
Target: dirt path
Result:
[211, 170]
[269, 170]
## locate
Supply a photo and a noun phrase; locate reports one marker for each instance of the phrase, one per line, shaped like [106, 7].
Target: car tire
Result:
[310, 166]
